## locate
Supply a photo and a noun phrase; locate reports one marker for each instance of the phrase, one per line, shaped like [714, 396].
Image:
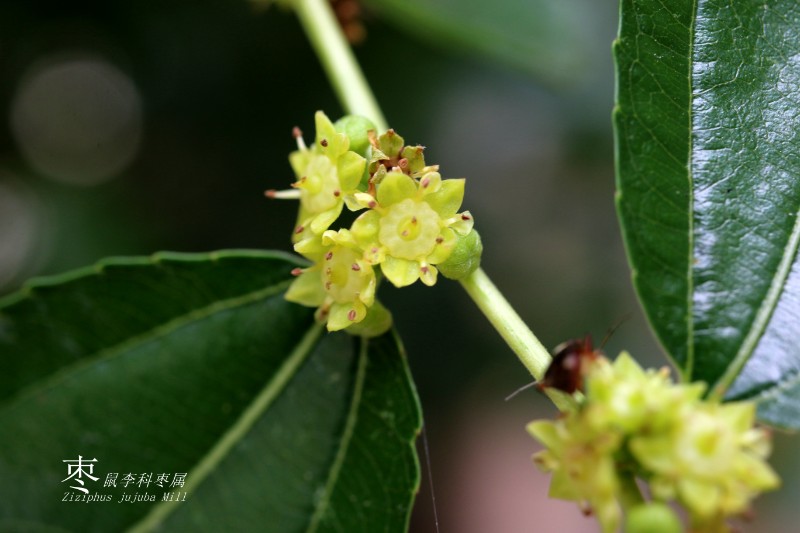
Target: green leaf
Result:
[194, 363]
[708, 195]
[540, 36]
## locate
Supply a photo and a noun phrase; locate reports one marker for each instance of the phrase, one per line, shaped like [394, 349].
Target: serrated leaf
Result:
[194, 363]
[708, 191]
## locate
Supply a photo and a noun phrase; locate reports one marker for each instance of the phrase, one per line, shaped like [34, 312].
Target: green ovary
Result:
[409, 230]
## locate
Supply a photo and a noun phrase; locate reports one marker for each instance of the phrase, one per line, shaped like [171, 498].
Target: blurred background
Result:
[129, 128]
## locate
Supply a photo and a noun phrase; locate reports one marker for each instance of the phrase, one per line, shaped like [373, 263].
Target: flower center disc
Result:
[409, 229]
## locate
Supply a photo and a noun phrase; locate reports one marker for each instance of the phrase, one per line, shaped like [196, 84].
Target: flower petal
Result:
[350, 167]
[365, 228]
[323, 220]
[428, 274]
[377, 322]
[329, 141]
[344, 315]
[401, 272]
[307, 289]
[447, 200]
[395, 187]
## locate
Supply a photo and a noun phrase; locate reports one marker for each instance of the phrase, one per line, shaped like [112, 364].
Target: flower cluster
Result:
[633, 423]
[410, 227]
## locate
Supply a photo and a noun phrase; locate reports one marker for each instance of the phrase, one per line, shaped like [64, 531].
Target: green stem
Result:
[507, 322]
[351, 86]
[337, 59]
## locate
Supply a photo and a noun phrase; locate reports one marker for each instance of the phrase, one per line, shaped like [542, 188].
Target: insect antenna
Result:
[614, 328]
[524, 387]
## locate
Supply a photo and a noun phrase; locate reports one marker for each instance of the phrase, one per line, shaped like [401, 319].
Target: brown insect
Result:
[567, 368]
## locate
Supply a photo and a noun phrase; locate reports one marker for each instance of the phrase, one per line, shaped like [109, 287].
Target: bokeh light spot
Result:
[78, 120]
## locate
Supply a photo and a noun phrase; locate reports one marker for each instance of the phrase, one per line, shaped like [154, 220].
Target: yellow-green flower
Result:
[711, 460]
[340, 283]
[328, 175]
[583, 466]
[411, 225]
[705, 455]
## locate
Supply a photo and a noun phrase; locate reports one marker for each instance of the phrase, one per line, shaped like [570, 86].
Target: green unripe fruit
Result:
[356, 128]
[465, 257]
[652, 518]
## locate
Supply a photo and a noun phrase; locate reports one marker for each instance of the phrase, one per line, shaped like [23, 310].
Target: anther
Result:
[296, 133]
[425, 183]
[439, 239]
[327, 285]
[465, 217]
[299, 230]
[351, 315]
[372, 204]
[324, 143]
[329, 255]
[297, 271]
[413, 220]
[403, 163]
[355, 267]
[337, 193]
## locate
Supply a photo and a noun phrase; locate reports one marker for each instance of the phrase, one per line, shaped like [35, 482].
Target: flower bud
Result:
[357, 129]
[465, 257]
[652, 518]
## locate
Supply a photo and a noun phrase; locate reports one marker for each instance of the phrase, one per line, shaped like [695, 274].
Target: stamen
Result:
[351, 315]
[425, 183]
[299, 230]
[298, 136]
[337, 193]
[297, 271]
[355, 267]
[329, 255]
[439, 239]
[324, 143]
[465, 217]
[272, 194]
